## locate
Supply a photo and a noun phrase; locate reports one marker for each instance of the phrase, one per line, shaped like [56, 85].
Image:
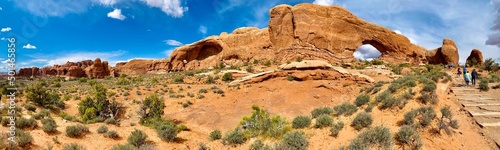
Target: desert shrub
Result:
[124, 147]
[362, 120]
[428, 97]
[5, 121]
[49, 125]
[345, 109]
[267, 63]
[384, 95]
[82, 80]
[102, 129]
[96, 104]
[394, 87]
[446, 121]
[323, 121]
[23, 138]
[408, 136]
[167, 132]
[39, 95]
[178, 79]
[362, 99]
[234, 137]
[73, 146]
[215, 135]
[483, 86]
[301, 122]
[250, 69]
[30, 107]
[202, 146]
[336, 127]
[320, 111]
[378, 137]
[111, 120]
[369, 108]
[227, 77]
[490, 65]
[257, 145]
[496, 86]
[76, 130]
[210, 80]
[24, 123]
[429, 87]
[295, 140]
[424, 114]
[203, 91]
[152, 108]
[111, 134]
[137, 138]
[260, 123]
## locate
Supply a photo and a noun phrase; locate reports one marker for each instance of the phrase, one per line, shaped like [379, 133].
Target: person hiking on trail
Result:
[459, 72]
[467, 78]
[474, 77]
[465, 70]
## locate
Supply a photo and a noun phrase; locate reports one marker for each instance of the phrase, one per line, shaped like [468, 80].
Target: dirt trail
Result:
[484, 107]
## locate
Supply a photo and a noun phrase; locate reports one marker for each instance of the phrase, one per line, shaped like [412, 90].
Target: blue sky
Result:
[56, 31]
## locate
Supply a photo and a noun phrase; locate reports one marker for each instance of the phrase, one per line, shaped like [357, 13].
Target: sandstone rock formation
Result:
[140, 66]
[446, 54]
[476, 55]
[86, 68]
[309, 31]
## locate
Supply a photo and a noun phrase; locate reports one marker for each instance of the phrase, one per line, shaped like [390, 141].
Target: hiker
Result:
[459, 72]
[474, 77]
[467, 78]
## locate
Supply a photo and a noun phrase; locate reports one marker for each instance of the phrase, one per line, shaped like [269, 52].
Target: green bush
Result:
[24, 123]
[5, 121]
[362, 99]
[23, 138]
[73, 146]
[210, 80]
[428, 97]
[111, 134]
[362, 120]
[124, 147]
[429, 87]
[97, 103]
[426, 115]
[102, 129]
[111, 120]
[49, 125]
[295, 140]
[167, 132]
[234, 137]
[336, 128]
[137, 138]
[446, 121]
[30, 107]
[152, 108]
[215, 135]
[378, 137]
[260, 123]
[369, 108]
[408, 136]
[320, 111]
[257, 145]
[382, 96]
[323, 121]
[76, 130]
[227, 77]
[483, 86]
[39, 95]
[346, 109]
[394, 87]
[301, 122]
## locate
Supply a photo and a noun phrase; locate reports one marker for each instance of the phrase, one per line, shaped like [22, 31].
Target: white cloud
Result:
[170, 7]
[108, 2]
[324, 2]
[173, 43]
[2, 39]
[202, 29]
[55, 8]
[1, 8]
[116, 14]
[6, 29]
[29, 46]
[366, 52]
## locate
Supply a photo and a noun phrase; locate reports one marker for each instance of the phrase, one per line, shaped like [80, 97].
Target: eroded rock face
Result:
[309, 31]
[140, 66]
[86, 68]
[446, 54]
[477, 55]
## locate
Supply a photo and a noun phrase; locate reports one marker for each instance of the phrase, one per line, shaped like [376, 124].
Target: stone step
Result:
[469, 94]
[494, 124]
[488, 121]
[474, 113]
[477, 98]
[480, 104]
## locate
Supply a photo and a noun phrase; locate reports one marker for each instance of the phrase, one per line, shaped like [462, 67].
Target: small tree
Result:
[152, 108]
[446, 121]
[39, 95]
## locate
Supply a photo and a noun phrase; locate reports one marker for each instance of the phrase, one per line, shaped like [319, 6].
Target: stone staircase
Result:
[483, 107]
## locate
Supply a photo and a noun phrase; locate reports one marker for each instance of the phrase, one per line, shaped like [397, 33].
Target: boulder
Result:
[476, 55]
[446, 54]
[307, 65]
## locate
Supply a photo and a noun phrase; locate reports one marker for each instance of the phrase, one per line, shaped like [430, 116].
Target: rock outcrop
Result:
[475, 55]
[309, 31]
[86, 68]
[446, 54]
[141, 66]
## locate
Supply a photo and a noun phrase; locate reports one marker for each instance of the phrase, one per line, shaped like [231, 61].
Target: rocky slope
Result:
[86, 68]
